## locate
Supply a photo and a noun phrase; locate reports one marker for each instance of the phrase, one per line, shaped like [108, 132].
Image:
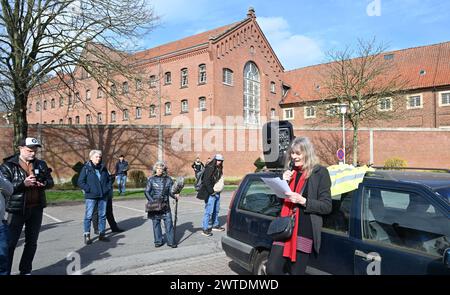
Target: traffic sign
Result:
[340, 154]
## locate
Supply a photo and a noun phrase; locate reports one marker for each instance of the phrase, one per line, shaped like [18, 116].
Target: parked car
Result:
[395, 222]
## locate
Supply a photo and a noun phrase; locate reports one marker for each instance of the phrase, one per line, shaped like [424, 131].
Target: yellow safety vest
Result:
[345, 178]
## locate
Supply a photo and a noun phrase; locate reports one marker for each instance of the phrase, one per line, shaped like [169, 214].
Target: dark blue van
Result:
[396, 222]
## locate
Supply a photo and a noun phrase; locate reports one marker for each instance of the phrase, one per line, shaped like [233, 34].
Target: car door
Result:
[337, 247]
[256, 208]
[402, 230]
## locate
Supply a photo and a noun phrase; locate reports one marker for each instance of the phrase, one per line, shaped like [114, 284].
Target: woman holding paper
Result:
[311, 197]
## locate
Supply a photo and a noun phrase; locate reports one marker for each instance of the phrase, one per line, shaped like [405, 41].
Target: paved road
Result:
[61, 249]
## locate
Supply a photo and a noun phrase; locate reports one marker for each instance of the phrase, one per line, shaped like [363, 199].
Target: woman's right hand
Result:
[287, 175]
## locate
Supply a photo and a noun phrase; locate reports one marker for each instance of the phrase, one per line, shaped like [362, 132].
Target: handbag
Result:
[156, 205]
[281, 228]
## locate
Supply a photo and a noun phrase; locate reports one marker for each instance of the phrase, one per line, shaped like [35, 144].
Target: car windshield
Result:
[444, 192]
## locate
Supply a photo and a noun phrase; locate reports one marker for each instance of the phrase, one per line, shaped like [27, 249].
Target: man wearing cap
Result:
[121, 174]
[30, 178]
[213, 173]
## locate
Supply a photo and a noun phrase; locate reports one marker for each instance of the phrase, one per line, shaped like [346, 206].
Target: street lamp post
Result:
[343, 109]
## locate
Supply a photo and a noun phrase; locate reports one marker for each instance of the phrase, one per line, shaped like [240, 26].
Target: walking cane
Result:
[175, 222]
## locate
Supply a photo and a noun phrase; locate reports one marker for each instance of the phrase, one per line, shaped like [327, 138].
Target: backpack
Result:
[199, 181]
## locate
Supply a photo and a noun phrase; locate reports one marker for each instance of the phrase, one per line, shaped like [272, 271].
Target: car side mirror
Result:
[446, 258]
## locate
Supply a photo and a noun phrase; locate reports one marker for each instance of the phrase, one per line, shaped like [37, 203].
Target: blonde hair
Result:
[304, 146]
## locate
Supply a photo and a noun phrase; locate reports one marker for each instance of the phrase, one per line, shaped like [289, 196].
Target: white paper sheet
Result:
[278, 186]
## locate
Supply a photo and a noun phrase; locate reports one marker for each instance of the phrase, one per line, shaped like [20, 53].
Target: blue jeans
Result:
[32, 219]
[211, 216]
[157, 231]
[90, 204]
[121, 182]
[4, 238]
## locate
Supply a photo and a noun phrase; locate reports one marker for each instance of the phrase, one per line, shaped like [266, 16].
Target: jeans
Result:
[121, 183]
[90, 204]
[211, 216]
[4, 238]
[109, 216]
[157, 231]
[32, 221]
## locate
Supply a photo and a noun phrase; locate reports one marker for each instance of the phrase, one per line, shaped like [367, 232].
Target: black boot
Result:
[103, 238]
[87, 239]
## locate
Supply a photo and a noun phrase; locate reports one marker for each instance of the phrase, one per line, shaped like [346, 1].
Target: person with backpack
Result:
[198, 166]
[210, 193]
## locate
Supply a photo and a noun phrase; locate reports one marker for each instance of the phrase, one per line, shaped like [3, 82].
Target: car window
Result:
[259, 198]
[404, 219]
[338, 219]
[444, 193]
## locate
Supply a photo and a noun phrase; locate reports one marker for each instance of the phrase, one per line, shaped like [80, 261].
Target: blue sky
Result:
[302, 31]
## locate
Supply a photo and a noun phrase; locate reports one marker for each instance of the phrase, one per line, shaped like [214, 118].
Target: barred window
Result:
[184, 106]
[202, 74]
[184, 77]
[251, 93]
[227, 77]
[202, 103]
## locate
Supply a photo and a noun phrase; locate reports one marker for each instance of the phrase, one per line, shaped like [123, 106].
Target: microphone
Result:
[177, 185]
[291, 165]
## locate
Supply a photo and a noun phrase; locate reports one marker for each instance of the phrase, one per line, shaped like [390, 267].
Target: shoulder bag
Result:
[158, 204]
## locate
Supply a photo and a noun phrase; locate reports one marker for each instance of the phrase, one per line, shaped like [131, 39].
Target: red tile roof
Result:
[184, 44]
[433, 59]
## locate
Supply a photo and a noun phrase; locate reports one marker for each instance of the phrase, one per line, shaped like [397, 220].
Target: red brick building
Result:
[232, 71]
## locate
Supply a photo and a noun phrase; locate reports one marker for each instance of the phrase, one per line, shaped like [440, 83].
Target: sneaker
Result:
[218, 228]
[173, 246]
[158, 245]
[87, 239]
[207, 233]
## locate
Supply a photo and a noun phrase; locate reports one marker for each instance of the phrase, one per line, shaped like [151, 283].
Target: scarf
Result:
[290, 246]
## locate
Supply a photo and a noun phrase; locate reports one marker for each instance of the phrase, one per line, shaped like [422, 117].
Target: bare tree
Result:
[54, 42]
[365, 84]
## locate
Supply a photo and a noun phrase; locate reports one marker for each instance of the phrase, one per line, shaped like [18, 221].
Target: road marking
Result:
[156, 272]
[51, 217]
[132, 209]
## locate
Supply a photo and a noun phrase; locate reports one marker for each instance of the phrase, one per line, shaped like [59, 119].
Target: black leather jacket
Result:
[156, 188]
[16, 175]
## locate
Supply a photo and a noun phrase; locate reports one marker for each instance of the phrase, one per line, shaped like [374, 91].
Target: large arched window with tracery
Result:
[251, 93]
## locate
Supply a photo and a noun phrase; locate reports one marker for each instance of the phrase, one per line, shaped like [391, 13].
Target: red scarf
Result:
[290, 246]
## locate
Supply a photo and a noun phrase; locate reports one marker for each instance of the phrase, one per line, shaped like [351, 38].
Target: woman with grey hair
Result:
[158, 190]
[309, 199]
[96, 184]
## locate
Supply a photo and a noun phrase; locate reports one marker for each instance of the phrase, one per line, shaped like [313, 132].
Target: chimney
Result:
[251, 13]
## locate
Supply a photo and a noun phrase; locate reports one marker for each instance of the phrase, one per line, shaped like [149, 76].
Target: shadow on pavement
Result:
[89, 253]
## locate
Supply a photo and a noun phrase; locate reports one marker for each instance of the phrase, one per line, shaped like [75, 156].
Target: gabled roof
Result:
[433, 59]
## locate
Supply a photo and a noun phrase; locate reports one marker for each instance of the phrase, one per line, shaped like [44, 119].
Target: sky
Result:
[303, 32]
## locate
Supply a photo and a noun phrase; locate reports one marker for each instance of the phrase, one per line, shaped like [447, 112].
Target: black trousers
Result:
[32, 221]
[279, 265]
[109, 216]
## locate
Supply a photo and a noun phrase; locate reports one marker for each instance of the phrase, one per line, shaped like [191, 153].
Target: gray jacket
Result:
[6, 190]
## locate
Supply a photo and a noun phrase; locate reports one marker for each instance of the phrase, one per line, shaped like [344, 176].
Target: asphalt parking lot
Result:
[61, 249]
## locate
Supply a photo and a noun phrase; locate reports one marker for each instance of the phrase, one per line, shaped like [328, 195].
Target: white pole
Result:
[343, 135]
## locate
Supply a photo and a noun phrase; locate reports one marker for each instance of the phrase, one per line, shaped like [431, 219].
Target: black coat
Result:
[16, 175]
[93, 187]
[159, 187]
[318, 201]
[210, 177]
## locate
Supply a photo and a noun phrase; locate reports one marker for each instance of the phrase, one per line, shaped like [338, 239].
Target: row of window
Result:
[125, 112]
[385, 104]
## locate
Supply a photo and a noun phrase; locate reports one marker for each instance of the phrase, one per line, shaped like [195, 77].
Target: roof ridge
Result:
[381, 53]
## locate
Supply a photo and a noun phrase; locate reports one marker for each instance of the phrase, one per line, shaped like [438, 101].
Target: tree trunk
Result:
[19, 117]
[355, 144]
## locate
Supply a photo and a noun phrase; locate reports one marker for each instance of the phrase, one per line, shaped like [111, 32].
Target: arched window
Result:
[52, 103]
[152, 110]
[202, 74]
[45, 105]
[113, 116]
[168, 108]
[251, 93]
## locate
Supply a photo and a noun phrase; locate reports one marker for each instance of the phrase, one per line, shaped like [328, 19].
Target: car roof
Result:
[433, 180]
